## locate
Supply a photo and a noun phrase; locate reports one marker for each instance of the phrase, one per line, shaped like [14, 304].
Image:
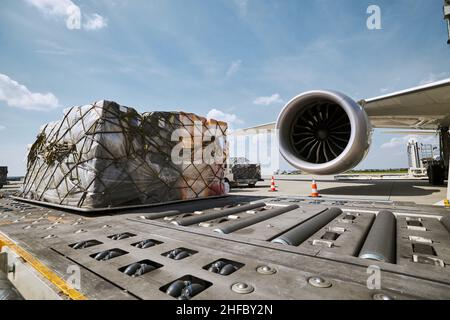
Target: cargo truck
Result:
[241, 172]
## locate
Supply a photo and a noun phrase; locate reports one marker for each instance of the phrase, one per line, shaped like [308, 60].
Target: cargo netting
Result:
[106, 155]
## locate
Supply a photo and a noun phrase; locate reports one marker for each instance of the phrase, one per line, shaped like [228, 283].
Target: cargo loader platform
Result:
[236, 247]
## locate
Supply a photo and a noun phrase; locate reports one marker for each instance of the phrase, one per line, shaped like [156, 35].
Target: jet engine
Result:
[323, 132]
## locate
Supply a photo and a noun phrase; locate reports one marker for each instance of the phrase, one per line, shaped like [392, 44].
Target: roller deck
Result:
[39, 255]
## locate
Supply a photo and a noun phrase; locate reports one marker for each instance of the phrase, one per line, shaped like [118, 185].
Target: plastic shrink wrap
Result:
[105, 155]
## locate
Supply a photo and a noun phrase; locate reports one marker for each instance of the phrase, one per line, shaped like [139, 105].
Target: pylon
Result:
[273, 188]
[314, 191]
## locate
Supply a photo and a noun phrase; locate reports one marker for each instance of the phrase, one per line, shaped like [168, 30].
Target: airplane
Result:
[325, 132]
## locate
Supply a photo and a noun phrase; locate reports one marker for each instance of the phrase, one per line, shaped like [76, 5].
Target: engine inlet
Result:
[321, 132]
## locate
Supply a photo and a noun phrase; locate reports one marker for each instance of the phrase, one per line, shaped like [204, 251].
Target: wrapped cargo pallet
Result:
[105, 156]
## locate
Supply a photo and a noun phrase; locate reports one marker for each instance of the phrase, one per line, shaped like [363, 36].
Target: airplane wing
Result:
[424, 107]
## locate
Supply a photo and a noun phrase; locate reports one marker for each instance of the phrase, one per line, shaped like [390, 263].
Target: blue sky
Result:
[240, 60]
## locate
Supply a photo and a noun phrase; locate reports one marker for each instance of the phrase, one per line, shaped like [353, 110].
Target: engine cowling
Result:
[323, 132]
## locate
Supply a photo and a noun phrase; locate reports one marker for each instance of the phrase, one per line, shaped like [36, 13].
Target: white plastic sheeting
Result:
[105, 155]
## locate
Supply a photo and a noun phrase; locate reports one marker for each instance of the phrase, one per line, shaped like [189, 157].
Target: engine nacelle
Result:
[323, 132]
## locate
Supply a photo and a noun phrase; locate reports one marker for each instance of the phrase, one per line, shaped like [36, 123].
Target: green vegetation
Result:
[380, 171]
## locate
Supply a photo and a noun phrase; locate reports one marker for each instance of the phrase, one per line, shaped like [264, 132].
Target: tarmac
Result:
[10, 188]
[364, 187]
[372, 188]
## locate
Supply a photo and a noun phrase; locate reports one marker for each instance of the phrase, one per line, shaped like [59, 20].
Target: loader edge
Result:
[42, 269]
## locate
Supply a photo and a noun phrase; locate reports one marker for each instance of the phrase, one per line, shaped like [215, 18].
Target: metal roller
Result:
[144, 269]
[215, 215]
[131, 269]
[380, 244]
[232, 226]
[175, 288]
[446, 222]
[227, 270]
[306, 229]
[148, 244]
[85, 244]
[159, 215]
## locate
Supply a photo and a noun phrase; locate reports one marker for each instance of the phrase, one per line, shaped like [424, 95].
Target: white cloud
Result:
[95, 22]
[223, 116]
[17, 95]
[71, 12]
[234, 67]
[267, 101]
[399, 143]
[2, 128]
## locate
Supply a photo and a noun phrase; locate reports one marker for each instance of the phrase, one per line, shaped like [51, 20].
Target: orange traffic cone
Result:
[273, 188]
[314, 191]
